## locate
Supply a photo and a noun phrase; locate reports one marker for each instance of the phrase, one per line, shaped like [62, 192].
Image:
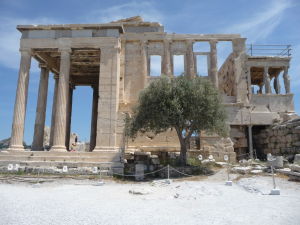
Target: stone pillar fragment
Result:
[53, 109]
[286, 79]
[61, 105]
[16, 142]
[108, 98]
[69, 116]
[166, 61]
[214, 63]
[38, 138]
[94, 118]
[190, 60]
[267, 81]
[277, 84]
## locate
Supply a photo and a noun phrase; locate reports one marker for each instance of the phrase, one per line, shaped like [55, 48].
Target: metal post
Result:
[168, 172]
[274, 184]
[228, 171]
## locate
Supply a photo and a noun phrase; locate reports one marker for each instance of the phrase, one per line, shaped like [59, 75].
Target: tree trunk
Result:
[183, 151]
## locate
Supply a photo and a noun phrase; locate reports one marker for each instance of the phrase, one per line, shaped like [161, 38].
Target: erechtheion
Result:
[115, 59]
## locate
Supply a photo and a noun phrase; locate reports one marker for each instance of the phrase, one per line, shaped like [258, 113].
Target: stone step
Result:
[50, 153]
[5, 163]
[105, 158]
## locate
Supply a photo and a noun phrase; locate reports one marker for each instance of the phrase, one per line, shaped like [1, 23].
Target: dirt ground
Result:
[197, 200]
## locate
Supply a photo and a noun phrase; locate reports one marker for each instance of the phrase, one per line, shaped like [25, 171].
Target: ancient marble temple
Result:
[114, 59]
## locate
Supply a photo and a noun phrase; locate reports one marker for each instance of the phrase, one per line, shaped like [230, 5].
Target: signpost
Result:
[228, 182]
[275, 190]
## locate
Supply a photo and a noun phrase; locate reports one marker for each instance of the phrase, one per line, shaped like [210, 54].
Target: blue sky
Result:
[262, 22]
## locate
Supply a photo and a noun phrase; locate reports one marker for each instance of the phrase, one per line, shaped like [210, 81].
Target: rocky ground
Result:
[198, 200]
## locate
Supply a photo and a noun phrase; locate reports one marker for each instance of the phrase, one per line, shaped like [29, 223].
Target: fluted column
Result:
[190, 60]
[16, 142]
[267, 81]
[53, 110]
[38, 138]
[286, 80]
[166, 61]
[214, 63]
[277, 84]
[144, 62]
[94, 118]
[59, 135]
[69, 116]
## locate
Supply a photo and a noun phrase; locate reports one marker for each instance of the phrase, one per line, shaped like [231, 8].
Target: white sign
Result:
[17, 166]
[226, 157]
[200, 157]
[65, 169]
[95, 169]
[10, 167]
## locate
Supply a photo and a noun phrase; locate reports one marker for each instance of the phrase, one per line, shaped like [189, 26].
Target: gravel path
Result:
[206, 201]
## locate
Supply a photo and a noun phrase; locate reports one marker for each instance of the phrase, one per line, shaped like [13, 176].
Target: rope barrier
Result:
[181, 172]
[133, 175]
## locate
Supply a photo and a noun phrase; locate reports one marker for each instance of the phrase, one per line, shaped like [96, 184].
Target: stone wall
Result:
[226, 76]
[279, 139]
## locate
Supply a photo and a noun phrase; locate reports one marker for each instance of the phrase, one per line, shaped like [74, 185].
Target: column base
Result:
[16, 148]
[105, 148]
[58, 148]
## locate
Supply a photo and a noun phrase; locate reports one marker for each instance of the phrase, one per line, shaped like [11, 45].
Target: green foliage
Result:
[186, 105]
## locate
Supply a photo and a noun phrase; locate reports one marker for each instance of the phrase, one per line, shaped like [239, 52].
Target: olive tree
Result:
[187, 105]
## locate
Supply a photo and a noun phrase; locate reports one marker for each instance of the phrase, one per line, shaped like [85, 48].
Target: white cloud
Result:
[10, 39]
[144, 9]
[261, 24]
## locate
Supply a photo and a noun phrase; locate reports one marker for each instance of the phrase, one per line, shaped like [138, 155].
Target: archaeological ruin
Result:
[114, 59]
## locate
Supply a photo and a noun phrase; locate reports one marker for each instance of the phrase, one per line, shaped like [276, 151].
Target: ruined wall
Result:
[226, 76]
[279, 139]
[167, 141]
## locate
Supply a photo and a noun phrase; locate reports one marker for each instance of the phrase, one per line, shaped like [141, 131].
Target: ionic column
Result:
[53, 109]
[144, 62]
[190, 60]
[16, 142]
[166, 61]
[267, 81]
[61, 105]
[214, 63]
[286, 79]
[94, 118]
[69, 116]
[250, 141]
[108, 101]
[277, 84]
[38, 138]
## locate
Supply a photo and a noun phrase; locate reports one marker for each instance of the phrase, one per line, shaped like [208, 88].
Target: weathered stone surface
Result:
[297, 159]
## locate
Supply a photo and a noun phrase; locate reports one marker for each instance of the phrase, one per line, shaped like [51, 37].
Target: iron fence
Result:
[269, 50]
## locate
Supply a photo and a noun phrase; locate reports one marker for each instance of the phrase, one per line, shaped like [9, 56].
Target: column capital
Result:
[266, 69]
[65, 50]
[213, 42]
[26, 51]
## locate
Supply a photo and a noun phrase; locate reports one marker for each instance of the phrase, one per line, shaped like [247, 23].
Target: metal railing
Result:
[269, 50]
